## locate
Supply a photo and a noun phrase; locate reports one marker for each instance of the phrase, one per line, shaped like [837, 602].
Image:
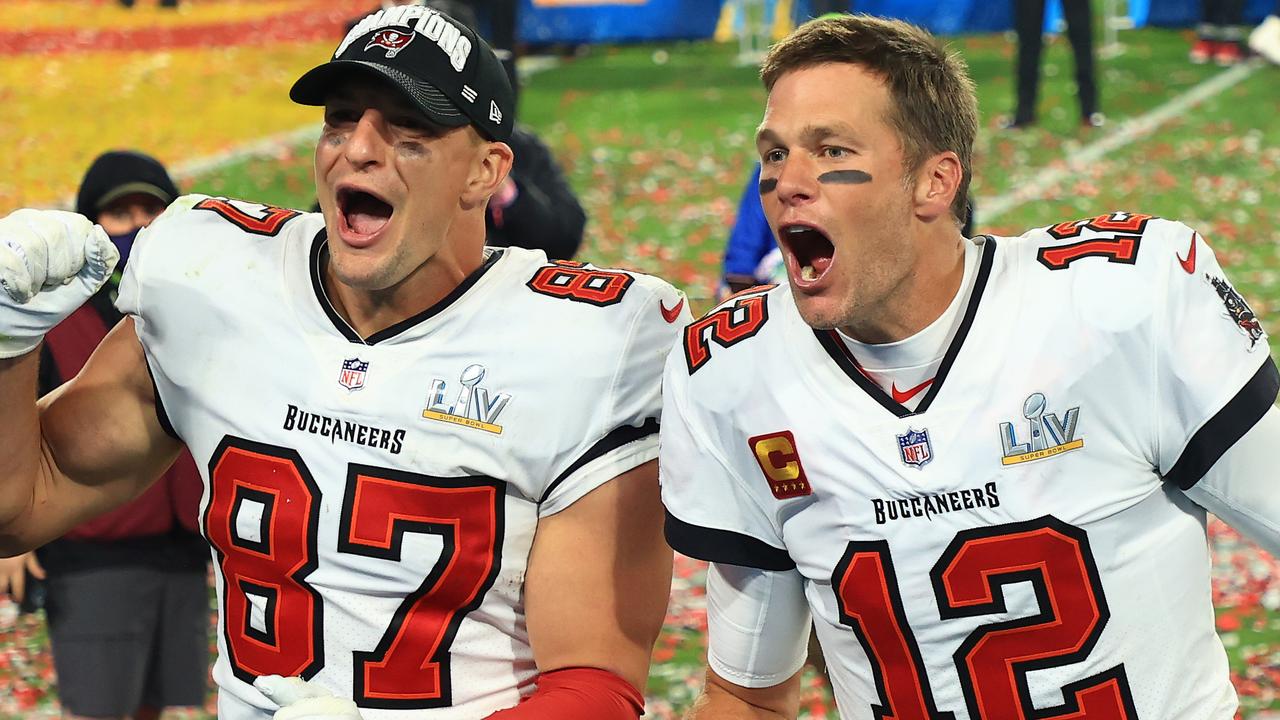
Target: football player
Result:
[430, 466]
[982, 466]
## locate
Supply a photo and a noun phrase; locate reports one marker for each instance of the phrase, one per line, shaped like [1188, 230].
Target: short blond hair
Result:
[933, 104]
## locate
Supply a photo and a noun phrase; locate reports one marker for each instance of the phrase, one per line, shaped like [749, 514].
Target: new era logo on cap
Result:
[439, 64]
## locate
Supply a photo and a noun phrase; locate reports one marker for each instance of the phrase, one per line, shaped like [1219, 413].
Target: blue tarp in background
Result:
[648, 20]
[1185, 13]
[970, 16]
[946, 18]
[604, 21]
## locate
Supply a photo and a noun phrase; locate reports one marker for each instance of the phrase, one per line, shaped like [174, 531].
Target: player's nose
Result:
[367, 139]
[797, 181]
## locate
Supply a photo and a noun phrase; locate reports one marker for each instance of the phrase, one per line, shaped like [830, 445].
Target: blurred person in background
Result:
[1028, 21]
[1265, 39]
[126, 595]
[1219, 34]
[499, 23]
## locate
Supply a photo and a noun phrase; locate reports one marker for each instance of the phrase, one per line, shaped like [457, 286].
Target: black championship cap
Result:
[447, 70]
[122, 172]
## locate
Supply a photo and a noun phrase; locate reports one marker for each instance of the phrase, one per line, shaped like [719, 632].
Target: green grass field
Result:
[658, 141]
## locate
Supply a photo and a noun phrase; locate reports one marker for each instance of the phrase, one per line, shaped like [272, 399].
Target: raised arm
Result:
[94, 443]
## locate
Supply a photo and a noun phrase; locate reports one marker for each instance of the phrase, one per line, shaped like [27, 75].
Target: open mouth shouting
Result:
[809, 254]
[362, 215]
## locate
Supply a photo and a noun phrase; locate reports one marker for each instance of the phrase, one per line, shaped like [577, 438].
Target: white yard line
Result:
[262, 147]
[270, 145]
[1129, 132]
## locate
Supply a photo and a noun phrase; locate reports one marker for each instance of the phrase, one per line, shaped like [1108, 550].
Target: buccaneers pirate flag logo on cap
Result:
[440, 64]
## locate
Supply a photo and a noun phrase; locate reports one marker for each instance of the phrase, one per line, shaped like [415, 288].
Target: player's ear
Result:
[492, 164]
[937, 182]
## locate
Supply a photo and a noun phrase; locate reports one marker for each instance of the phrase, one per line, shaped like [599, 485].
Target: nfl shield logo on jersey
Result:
[352, 375]
[915, 448]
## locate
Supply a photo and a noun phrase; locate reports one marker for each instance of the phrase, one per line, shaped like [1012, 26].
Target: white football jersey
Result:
[371, 503]
[1018, 545]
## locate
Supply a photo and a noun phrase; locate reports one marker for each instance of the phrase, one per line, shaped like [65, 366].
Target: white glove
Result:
[302, 700]
[51, 262]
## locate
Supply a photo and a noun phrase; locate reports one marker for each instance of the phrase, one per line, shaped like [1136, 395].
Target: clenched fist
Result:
[51, 262]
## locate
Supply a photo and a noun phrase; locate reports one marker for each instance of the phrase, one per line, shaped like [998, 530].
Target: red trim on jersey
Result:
[578, 693]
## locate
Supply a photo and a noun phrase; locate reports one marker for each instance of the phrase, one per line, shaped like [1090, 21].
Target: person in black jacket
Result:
[535, 208]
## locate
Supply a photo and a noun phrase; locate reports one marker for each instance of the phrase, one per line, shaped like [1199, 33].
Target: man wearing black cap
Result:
[123, 191]
[127, 592]
[413, 505]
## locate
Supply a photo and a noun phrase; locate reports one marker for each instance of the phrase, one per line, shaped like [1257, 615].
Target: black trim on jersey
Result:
[614, 440]
[839, 352]
[161, 414]
[724, 546]
[320, 257]
[1230, 424]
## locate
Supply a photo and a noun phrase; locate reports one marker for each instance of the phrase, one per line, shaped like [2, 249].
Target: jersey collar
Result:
[320, 259]
[839, 352]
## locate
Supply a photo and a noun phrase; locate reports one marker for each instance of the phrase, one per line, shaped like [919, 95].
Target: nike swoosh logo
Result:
[671, 315]
[1189, 265]
[902, 396]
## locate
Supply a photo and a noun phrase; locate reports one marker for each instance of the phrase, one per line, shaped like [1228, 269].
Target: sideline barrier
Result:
[1186, 13]
[589, 21]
